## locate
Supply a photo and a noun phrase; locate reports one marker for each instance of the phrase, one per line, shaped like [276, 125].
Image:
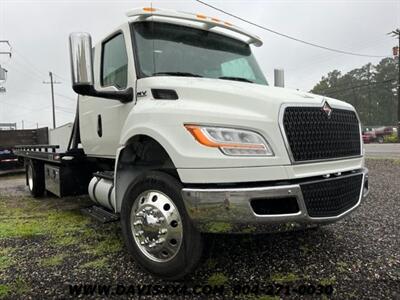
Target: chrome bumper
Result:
[228, 210]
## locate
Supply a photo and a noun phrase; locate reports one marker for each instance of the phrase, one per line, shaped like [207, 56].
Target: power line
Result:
[288, 36]
[30, 64]
[65, 97]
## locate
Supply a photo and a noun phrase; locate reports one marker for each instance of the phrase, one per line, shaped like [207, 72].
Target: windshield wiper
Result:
[235, 78]
[177, 74]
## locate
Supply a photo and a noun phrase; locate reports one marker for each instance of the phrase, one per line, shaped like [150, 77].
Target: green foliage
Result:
[371, 89]
[390, 138]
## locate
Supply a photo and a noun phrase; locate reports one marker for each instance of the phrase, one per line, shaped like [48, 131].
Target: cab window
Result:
[114, 71]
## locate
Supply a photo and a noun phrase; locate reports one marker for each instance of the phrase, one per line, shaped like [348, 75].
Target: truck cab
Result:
[185, 136]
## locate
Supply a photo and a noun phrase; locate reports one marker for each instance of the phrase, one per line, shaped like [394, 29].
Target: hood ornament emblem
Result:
[327, 109]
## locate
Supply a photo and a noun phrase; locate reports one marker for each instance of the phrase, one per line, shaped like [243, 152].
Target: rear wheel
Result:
[35, 178]
[157, 229]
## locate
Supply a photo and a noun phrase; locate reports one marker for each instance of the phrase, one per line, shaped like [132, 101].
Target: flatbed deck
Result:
[42, 152]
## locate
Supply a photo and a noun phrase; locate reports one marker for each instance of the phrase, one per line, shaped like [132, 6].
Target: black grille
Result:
[331, 197]
[314, 136]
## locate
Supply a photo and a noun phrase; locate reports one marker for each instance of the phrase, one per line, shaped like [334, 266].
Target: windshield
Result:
[165, 49]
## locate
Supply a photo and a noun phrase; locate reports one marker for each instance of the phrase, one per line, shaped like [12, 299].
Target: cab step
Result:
[109, 175]
[100, 214]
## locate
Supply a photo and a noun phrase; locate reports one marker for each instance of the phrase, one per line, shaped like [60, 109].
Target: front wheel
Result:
[157, 229]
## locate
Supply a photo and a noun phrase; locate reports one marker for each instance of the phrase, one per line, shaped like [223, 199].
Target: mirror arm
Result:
[89, 90]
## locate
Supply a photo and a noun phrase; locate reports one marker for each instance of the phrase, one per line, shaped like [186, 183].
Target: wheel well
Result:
[141, 153]
[144, 151]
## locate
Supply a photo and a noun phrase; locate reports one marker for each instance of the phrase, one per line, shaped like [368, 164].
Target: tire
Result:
[35, 178]
[138, 205]
[380, 139]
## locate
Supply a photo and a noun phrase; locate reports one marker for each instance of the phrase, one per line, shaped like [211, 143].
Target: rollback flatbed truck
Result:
[178, 133]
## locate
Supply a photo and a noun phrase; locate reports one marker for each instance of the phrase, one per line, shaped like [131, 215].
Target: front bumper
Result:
[229, 210]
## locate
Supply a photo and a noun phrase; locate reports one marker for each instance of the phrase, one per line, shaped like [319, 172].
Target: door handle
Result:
[99, 126]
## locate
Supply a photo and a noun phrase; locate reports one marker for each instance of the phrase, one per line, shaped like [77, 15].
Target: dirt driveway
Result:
[47, 246]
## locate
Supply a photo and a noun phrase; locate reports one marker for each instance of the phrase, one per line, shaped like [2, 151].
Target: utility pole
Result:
[52, 82]
[369, 95]
[396, 33]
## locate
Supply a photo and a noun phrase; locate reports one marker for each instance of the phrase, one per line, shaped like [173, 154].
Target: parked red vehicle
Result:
[376, 135]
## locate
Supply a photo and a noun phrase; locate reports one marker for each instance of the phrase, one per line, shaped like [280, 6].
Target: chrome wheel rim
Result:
[156, 226]
[30, 177]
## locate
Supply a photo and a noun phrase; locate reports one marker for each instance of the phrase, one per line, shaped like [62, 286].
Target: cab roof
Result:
[204, 22]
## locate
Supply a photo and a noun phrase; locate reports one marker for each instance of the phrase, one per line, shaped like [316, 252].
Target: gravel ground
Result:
[46, 244]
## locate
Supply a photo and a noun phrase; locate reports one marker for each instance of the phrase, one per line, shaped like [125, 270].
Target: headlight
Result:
[231, 141]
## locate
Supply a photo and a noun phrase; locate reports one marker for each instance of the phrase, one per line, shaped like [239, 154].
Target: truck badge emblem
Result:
[326, 108]
[142, 94]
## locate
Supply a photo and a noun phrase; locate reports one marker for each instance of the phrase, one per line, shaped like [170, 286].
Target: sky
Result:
[38, 31]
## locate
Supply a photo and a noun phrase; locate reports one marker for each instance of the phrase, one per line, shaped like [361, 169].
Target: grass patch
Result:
[219, 227]
[282, 278]
[342, 266]
[4, 290]
[217, 279]
[249, 229]
[328, 281]
[264, 297]
[6, 260]
[67, 240]
[111, 244]
[18, 287]
[27, 222]
[211, 263]
[53, 260]
[305, 249]
[100, 263]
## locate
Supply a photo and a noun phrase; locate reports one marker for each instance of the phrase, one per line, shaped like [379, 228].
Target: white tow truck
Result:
[177, 133]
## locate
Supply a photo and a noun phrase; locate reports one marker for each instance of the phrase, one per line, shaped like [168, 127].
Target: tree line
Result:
[371, 89]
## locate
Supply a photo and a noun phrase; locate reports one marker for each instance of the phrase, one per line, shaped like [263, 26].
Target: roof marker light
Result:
[149, 9]
[201, 16]
[215, 20]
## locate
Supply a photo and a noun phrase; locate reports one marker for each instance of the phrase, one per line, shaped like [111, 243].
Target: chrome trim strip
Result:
[286, 141]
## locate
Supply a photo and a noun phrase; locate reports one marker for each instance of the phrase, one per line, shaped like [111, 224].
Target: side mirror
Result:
[80, 46]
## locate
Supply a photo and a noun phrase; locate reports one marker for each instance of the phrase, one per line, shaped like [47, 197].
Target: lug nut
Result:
[138, 222]
[163, 231]
[139, 233]
[160, 241]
